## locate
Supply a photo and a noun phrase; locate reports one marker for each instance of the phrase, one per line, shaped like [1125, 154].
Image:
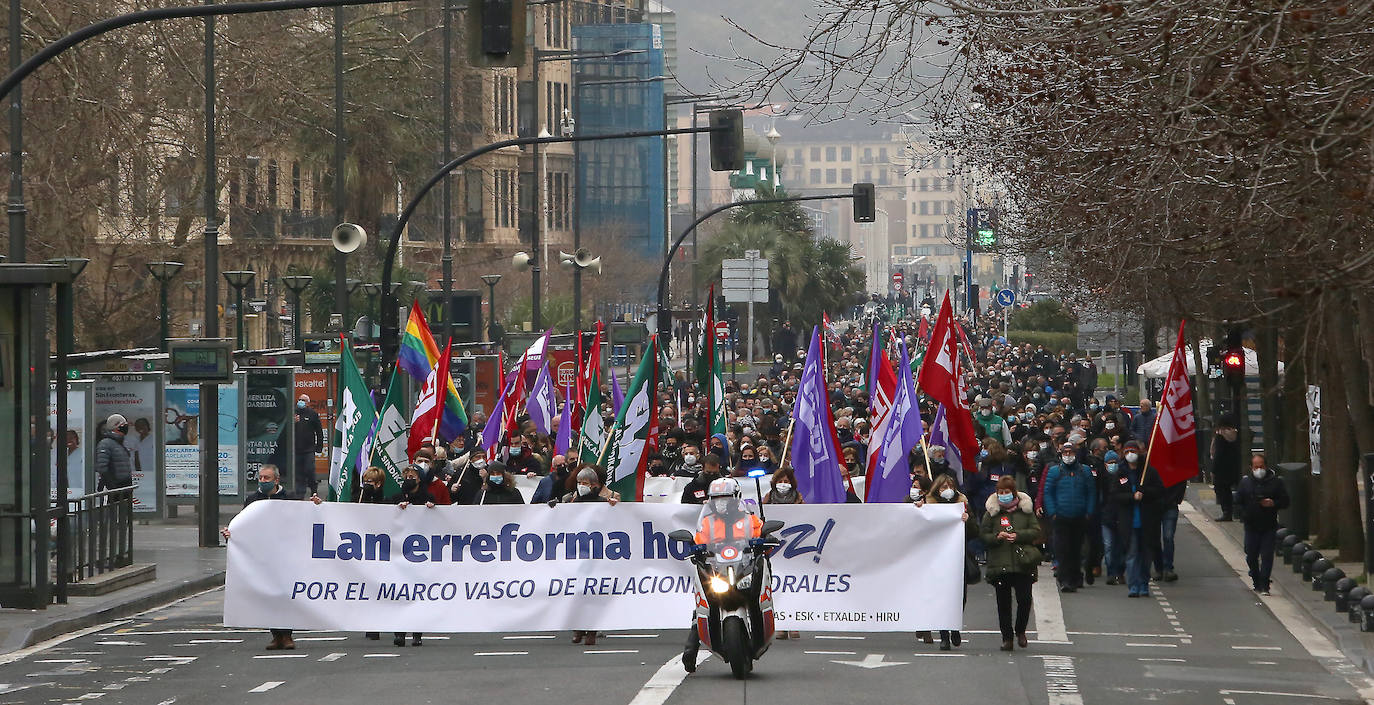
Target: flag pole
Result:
[1149, 445]
[787, 444]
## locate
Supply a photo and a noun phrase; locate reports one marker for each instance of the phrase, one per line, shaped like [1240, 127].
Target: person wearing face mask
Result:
[1010, 530]
[373, 481]
[551, 484]
[430, 478]
[467, 481]
[270, 487]
[1070, 501]
[522, 460]
[1225, 452]
[936, 465]
[994, 426]
[748, 460]
[114, 467]
[309, 436]
[1147, 500]
[1260, 496]
[1117, 516]
[943, 491]
[766, 458]
[498, 486]
[784, 489]
[413, 491]
[695, 491]
[689, 463]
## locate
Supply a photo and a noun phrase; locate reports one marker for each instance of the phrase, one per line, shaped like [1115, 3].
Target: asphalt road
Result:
[1203, 639]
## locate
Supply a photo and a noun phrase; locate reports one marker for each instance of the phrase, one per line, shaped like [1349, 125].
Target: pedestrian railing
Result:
[102, 533]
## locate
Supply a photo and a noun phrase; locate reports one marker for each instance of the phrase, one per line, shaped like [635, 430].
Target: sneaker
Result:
[399, 641]
[1170, 576]
[1266, 592]
[689, 661]
[416, 642]
[1088, 578]
[782, 634]
[944, 644]
[1068, 588]
[956, 638]
[1114, 580]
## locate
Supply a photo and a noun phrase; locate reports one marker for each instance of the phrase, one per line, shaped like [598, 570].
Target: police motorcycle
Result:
[733, 577]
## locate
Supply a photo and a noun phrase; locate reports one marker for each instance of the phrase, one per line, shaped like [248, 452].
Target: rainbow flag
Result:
[418, 356]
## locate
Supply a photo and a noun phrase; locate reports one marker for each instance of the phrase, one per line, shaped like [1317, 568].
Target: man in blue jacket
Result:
[1070, 501]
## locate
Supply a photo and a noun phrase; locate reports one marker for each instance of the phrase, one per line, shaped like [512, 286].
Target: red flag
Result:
[923, 333]
[429, 407]
[1173, 444]
[942, 378]
[882, 389]
[585, 365]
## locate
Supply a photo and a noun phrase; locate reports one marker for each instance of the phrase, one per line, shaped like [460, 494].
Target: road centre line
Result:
[1153, 646]
[831, 653]
[333, 657]
[530, 636]
[839, 636]
[501, 653]
[1258, 648]
[610, 651]
[281, 656]
[665, 680]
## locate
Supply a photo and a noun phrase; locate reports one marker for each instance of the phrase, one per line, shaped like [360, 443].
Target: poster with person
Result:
[138, 397]
[268, 420]
[317, 385]
[181, 429]
[77, 442]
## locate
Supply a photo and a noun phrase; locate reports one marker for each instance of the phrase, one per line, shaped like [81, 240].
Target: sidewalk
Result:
[1357, 646]
[182, 569]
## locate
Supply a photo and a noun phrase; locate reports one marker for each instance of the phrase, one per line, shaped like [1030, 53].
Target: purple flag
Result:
[815, 450]
[491, 433]
[564, 439]
[541, 404]
[896, 434]
[939, 436]
[617, 396]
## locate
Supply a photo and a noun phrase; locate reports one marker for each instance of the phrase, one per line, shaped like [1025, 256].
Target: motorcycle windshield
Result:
[725, 527]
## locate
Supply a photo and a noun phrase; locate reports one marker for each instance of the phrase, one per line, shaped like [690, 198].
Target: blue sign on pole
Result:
[1006, 298]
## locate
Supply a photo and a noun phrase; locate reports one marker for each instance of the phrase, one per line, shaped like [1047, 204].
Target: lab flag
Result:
[630, 436]
[418, 352]
[424, 420]
[351, 427]
[939, 436]
[593, 429]
[617, 396]
[391, 448]
[882, 387]
[562, 442]
[815, 449]
[889, 479]
[542, 405]
[1173, 444]
[942, 378]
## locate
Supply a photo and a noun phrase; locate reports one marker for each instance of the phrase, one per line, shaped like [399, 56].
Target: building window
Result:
[815, 176]
[882, 177]
[882, 154]
[295, 186]
[796, 156]
[925, 185]
[939, 230]
[829, 176]
[938, 208]
[949, 207]
[847, 176]
[899, 250]
[272, 184]
[925, 208]
[925, 230]
[868, 153]
[913, 208]
[815, 154]
[507, 198]
[830, 154]
[846, 154]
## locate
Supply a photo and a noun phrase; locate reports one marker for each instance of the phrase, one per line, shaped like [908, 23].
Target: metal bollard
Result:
[1282, 533]
[1367, 613]
[1285, 546]
[1342, 589]
[1294, 557]
[1329, 578]
[1317, 570]
[1304, 566]
[1352, 602]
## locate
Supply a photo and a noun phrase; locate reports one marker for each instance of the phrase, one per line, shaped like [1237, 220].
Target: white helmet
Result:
[723, 487]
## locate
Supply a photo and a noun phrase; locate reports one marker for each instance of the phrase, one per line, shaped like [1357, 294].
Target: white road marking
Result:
[1264, 663]
[1170, 660]
[839, 636]
[1153, 646]
[224, 641]
[138, 679]
[333, 657]
[1311, 639]
[380, 655]
[116, 686]
[280, 656]
[157, 671]
[119, 643]
[530, 636]
[610, 651]
[1258, 648]
[178, 660]
[1126, 635]
[925, 655]
[665, 680]
[631, 636]
[168, 701]
[327, 638]
[501, 653]
[61, 660]
[1273, 693]
[1049, 611]
[832, 653]
[90, 696]
[266, 686]
[1061, 680]
[16, 655]
[872, 661]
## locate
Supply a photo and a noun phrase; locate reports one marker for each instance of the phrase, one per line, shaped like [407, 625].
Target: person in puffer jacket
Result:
[1070, 501]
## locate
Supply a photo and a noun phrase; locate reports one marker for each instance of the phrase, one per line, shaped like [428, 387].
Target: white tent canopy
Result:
[1158, 368]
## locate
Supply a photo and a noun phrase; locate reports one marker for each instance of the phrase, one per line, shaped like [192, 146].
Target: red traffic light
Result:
[1234, 360]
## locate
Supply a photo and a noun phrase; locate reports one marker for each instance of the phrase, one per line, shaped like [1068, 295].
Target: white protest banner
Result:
[358, 567]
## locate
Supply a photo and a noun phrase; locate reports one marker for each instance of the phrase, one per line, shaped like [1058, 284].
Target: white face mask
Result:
[916, 494]
[1258, 473]
[1109, 426]
[947, 494]
[1068, 459]
[1032, 455]
[689, 459]
[784, 487]
[1132, 457]
[584, 490]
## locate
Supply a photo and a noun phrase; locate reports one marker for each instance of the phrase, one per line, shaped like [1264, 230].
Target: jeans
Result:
[1003, 587]
[1138, 563]
[306, 482]
[1068, 548]
[1223, 490]
[1164, 560]
[1113, 551]
[1259, 555]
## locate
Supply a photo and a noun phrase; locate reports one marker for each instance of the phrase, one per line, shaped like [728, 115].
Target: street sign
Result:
[722, 330]
[744, 280]
[897, 279]
[1006, 298]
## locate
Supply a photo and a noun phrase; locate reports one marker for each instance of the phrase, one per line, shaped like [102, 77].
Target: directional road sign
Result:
[1006, 298]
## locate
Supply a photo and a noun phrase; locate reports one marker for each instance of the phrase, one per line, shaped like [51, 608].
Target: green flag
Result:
[389, 450]
[354, 421]
[625, 454]
[593, 431]
[717, 396]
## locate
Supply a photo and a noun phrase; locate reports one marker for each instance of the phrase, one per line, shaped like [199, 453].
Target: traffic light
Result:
[1233, 366]
[865, 203]
[982, 229]
[727, 140]
[496, 33]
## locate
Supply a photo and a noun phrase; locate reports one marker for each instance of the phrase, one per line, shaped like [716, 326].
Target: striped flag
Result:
[355, 418]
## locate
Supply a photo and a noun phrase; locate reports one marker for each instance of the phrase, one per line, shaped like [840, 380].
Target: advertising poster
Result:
[318, 384]
[181, 429]
[486, 384]
[137, 398]
[268, 421]
[464, 373]
[78, 444]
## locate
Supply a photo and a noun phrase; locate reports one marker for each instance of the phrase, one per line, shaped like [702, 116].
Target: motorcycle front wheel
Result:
[736, 643]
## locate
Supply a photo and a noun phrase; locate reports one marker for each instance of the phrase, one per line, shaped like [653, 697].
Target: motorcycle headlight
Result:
[745, 582]
[718, 584]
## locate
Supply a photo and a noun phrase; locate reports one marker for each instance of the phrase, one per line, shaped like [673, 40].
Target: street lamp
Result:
[239, 279]
[75, 265]
[163, 272]
[773, 137]
[194, 286]
[296, 284]
[490, 280]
